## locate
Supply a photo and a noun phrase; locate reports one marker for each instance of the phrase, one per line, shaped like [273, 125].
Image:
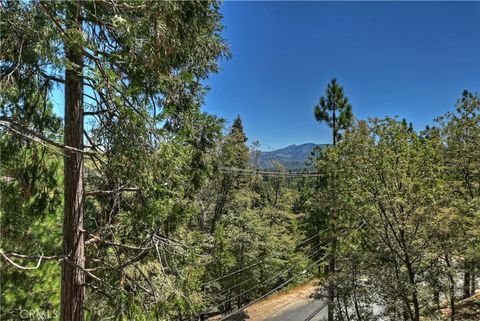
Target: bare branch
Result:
[123, 189]
[163, 239]
[96, 239]
[34, 257]
[27, 257]
[60, 258]
[65, 259]
[32, 135]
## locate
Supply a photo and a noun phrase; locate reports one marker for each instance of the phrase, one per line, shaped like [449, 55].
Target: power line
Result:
[317, 311]
[274, 289]
[253, 172]
[294, 316]
[257, 263]
[319, 308]
[276, 275]
[234, 272]
[297, 246]
[286, 175]
[238, 169]
[279, 175]
[254, 287]
[281, 286]
[268, 280]
[312, 237]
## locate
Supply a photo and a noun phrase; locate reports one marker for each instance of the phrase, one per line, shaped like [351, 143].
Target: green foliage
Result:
[410, 205]
[144, 63]
[170, 233]
[30, 216]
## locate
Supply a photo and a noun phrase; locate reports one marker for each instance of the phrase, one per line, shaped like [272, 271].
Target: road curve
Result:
[295, 304]
[300, 311]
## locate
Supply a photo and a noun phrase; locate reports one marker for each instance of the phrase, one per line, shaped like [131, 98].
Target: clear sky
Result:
[410, 59]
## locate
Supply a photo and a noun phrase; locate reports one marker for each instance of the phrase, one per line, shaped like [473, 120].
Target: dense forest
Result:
[134, 204]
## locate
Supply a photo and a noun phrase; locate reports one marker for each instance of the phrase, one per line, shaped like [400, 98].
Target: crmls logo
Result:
[37, 315]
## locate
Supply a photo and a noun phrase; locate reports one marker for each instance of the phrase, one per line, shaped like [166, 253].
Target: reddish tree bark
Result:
[73, 277]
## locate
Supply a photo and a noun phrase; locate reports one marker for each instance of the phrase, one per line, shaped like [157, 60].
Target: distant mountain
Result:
[293, 156]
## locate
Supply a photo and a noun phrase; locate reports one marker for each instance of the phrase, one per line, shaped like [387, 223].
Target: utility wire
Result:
[274, 289]
[282, 175]
[253, 172]
[238, 169]
[320, 308]
[294, 316]
[251, 278]
[273, 175]
[265, 281]
[254, 287]
[317, 311]
[312, 237]
[234, 272]
[256, 263]
[279, 287]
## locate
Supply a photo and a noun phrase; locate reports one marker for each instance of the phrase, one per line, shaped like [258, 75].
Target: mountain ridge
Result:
[291, 157]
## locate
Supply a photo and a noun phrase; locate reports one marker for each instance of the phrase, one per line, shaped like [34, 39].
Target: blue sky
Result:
[410, 59]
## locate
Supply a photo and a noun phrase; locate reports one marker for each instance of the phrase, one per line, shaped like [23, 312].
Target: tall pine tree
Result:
[335, 110]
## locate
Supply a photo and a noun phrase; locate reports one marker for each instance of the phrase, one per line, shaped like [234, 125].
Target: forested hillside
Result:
[135, 204]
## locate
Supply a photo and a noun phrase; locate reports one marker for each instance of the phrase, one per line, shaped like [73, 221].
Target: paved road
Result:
[299, 311]
[293, 305]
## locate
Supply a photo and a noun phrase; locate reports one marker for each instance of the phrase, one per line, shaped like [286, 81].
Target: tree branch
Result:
[67, 260]
[97, 112]
[11, 125]
[50, 77]
[41, 257]
[123, 189]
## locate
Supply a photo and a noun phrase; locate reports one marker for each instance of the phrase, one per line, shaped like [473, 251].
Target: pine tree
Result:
[335, 110]
[234, 154]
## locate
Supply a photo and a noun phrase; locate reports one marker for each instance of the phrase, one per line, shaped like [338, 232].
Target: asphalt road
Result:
[296, 304]
[299, 311]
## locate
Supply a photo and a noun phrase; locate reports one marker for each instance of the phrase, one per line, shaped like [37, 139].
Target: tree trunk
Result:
[416, 306]
[411, 277]
[345, 304]
[466, 281]
[436, 298]
[474, 280]
[355, 300]
[73, 277]
[451, 288]
[222, 199]
[333, 242]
